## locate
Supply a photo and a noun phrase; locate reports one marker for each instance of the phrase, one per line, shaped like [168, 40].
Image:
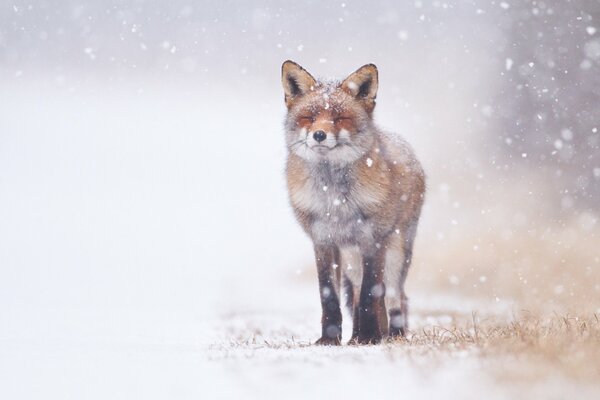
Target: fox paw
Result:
[369, 339]
[329, 341]
[398, 324]
[397, 333]
[353, 341]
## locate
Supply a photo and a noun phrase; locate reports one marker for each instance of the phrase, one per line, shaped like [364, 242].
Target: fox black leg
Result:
[331, 320]
[371, 305]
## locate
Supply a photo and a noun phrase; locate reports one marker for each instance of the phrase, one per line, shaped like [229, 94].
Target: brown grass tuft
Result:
[565, 345]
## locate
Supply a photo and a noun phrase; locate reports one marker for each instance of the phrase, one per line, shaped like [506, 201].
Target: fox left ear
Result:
[296, 82]
[362, 84]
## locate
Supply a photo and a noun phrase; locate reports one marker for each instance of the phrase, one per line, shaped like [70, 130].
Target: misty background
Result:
[142, 191]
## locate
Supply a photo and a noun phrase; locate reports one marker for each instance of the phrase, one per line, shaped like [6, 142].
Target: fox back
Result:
[357, 192]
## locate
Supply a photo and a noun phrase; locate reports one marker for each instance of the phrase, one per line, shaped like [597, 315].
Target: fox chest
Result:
[336, 210]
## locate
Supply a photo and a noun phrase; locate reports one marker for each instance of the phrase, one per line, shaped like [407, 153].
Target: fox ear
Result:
[296, 81]
[362, 84]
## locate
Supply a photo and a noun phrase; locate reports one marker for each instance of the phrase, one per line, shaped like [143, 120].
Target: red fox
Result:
[357, 192]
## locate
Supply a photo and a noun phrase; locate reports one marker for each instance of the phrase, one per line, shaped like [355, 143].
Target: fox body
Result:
[357, 192]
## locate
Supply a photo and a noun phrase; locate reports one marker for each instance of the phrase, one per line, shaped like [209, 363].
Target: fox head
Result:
[329, 120]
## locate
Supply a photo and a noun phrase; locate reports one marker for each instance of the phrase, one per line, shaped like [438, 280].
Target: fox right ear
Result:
[362, 84]
[296, 82]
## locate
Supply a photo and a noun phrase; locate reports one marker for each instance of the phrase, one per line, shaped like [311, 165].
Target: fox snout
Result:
[319, 136]
[322, 141]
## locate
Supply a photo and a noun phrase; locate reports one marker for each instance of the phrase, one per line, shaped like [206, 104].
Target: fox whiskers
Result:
[297, 143]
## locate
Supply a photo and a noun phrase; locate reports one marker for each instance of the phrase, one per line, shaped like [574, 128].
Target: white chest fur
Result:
[336, 205]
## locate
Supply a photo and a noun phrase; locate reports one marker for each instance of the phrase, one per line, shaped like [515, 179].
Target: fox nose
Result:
[319, 136]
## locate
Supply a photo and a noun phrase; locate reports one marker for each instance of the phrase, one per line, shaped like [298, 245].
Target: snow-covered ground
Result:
[147, 250]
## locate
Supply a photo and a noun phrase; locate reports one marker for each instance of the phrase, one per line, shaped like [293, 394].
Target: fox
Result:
[357, 192]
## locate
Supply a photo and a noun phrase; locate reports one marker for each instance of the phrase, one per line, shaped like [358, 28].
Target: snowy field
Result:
[148, 251]
[147, 248]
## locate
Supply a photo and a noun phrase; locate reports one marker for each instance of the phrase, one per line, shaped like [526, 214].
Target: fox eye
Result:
[341, 119]
[306, 119]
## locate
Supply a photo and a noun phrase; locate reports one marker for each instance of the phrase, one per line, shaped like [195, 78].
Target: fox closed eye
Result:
[341, 119]
[306, 118]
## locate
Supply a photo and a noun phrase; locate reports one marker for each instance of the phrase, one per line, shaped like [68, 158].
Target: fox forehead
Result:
[327, 100]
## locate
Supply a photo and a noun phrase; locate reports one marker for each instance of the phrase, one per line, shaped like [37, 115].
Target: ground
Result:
[267, 352]
[459, 347]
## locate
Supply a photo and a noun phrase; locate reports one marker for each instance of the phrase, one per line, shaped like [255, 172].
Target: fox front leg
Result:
[371, 304]
[331, 321]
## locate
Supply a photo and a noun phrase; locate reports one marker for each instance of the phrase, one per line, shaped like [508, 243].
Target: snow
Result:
[147, 249]
[111, 231]
[558, 144]
[566, 134]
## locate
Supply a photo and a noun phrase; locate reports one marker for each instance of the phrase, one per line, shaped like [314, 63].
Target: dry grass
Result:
[525, 348]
